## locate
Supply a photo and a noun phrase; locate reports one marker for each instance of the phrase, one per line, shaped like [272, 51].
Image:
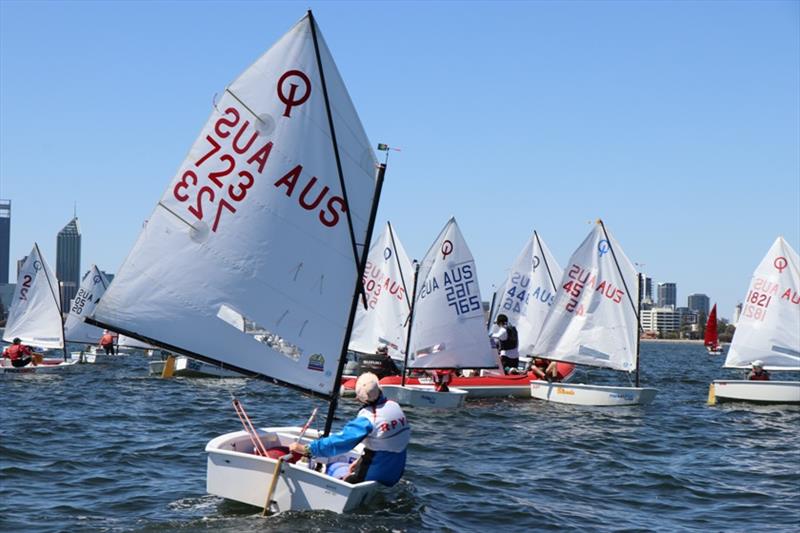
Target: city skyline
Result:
[518, 130]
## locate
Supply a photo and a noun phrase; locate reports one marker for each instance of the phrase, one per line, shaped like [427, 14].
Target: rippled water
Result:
[105, 447]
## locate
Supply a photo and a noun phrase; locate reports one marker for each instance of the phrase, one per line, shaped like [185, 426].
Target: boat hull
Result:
[595, 395]
[186, 367]
[46, 367]
[757, 391]
[498, 386]
[236, 474]
[425, 396]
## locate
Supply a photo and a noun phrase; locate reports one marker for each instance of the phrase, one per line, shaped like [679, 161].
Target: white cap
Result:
[383, 348]
[105, 331]
[758, 363]
[367, 388]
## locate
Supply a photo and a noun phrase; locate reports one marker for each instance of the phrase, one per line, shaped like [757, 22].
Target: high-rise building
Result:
[698, 303]
[5, 239]
[667, 294]
[646, 290]
[68, 261]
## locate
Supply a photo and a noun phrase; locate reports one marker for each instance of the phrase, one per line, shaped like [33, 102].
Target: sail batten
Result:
[592, 322]
[769, 325]
[256, 221]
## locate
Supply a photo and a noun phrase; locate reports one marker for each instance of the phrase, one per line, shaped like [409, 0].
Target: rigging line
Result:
[397, 260]
[544, 258]
[339, 170]
[227, 90]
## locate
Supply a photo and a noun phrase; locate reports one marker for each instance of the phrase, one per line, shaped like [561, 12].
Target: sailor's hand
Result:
[296, 447]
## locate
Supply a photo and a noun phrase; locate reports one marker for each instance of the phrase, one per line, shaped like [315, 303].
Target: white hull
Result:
[6, 368]
[757, 391]
[236, 474]
[597, 395]
[186, 367]
[84, 357]
[425, 396]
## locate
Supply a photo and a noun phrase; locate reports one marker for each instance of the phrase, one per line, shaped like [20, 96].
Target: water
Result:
[105, 447]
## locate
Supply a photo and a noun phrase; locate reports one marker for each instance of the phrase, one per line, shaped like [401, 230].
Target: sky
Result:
[677, 123]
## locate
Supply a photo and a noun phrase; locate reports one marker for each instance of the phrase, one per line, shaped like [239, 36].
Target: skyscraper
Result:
[5, 239]
[667, 294]
[698, 303]
[68, 261]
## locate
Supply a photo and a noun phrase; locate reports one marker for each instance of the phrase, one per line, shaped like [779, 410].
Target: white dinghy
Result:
[768, 330]
[186, 367]
[93, 286]
[35, 315]
[595, 322]
[446, 330]
[384, 320]
[265, 223]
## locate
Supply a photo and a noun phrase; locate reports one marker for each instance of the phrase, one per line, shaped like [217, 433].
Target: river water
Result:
[106, 448]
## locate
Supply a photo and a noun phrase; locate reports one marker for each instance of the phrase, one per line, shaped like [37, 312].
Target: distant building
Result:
[6, 294]
[648, 288]
[666, 319]
[698, 303]
[667, 294]
[68, 261]
[5, 239]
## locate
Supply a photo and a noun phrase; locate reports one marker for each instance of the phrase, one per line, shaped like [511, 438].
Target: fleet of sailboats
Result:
[768, 331]
[269, 221]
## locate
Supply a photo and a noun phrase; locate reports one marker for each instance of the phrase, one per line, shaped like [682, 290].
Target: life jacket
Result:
[512, 338]
[391, 431]
[16, 351]
[107, 339]
[380, 365]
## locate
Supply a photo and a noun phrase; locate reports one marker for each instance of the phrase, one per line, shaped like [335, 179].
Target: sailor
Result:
[545, 369]
[758, 373]
[381, 425]
[21, 355]
[107, 342]
[506, 339]
[378, 363]
[441, 380]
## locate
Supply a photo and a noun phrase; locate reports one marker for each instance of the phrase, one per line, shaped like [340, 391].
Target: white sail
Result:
[129, 342]
[528, 292]
[387, 282]
[593, 320]
[448, 329]
[255, 222]
[93, 286]
[769, 326]
[35, 312]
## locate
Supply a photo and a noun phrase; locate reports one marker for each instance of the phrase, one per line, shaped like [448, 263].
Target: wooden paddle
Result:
[277, 471]
[169, 367]
[712, 395]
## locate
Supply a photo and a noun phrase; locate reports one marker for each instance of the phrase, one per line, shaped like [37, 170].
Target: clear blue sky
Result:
[676, 122]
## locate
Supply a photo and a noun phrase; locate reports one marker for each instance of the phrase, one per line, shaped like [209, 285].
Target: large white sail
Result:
[129, 342]
[528, 292]
[35, 312]
[593, 321]
[255, 223]
[769, 326]
[449, 329]
[93, 286]
[387, 283]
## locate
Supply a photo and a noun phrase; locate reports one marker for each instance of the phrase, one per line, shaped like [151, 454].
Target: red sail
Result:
[712, 338]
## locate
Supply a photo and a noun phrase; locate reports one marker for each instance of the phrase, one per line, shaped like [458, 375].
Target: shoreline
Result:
[681, 341]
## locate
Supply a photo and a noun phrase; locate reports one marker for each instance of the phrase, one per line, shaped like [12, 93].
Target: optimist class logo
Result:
[780, 263]
[292, 100]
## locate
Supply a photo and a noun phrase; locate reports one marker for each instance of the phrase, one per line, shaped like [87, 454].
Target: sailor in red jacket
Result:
[758, 373]
[107, 342]
[21, 355]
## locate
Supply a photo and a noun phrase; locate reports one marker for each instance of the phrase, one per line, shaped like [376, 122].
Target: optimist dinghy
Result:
[92, 288]
[35, 315]
[264, 224]
[711, 336]
[768, 330]
[594, 321]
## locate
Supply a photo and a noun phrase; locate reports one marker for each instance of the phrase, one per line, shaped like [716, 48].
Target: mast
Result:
[56, 299]
[544, 258]
[358, 291]
[628, 292]
[410, 323]
[491, 311]
[638, 329]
